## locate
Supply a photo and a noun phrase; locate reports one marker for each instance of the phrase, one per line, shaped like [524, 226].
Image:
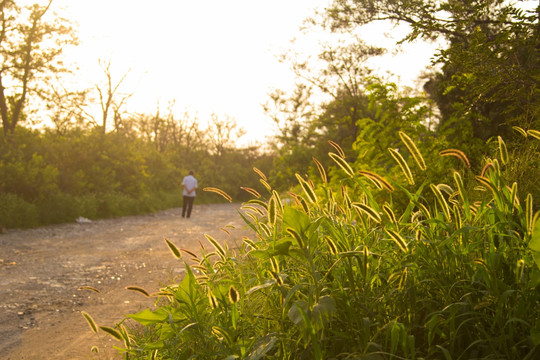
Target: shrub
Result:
[59, 208]
[16, 212]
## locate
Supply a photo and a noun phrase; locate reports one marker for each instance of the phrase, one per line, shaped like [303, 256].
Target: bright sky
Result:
[210, 56]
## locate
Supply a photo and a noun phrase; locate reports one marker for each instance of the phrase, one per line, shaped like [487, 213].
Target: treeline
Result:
[49, 177]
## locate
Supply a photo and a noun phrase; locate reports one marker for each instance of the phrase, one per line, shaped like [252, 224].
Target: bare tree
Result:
[66, 108]
[223, 134]
[110, 99]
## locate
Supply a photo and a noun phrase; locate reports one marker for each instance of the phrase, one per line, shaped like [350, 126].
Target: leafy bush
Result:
[16, 212]
[95, 175]
[340, 275]
[62, 208]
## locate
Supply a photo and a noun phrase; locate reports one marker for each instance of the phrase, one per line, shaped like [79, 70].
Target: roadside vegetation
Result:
[339, 270]
[48, 178]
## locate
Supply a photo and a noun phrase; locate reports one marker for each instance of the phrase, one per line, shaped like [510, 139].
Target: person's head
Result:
[191, 172]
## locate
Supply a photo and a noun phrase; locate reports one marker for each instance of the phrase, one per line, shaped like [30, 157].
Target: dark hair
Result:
[190, 172]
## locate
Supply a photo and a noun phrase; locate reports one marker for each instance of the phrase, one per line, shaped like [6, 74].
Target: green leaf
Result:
[535, 337]
[397, 330]
[262, 347]
[462, 194]
[290, 294]
[224, 333]
[280, 247]
[296, 220]
[324, 310]
[534, 244]
[246, 220]
[147, 316]
[188, 290]
[445, 352]
[260, 287]
[295, 312]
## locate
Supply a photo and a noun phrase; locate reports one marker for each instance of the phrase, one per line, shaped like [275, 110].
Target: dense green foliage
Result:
[339, 272]
[47, 177]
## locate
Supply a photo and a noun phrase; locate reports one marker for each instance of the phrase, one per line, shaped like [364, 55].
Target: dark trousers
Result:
[187, 205]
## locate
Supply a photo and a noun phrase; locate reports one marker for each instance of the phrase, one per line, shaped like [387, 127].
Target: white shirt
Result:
[190, 183]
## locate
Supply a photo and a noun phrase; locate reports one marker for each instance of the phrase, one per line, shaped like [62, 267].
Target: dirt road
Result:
[41, 271]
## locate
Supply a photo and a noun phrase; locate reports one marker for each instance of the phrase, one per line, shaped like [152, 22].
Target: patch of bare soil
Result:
[41, 271]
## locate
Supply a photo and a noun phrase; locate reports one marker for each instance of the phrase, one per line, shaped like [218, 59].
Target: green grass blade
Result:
[463, 194]
[529, 214]
[534, 243]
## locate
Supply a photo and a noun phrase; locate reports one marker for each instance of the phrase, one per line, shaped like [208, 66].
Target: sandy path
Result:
[42, 269]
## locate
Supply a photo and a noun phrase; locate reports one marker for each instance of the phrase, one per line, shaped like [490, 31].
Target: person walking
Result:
[190, 185]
